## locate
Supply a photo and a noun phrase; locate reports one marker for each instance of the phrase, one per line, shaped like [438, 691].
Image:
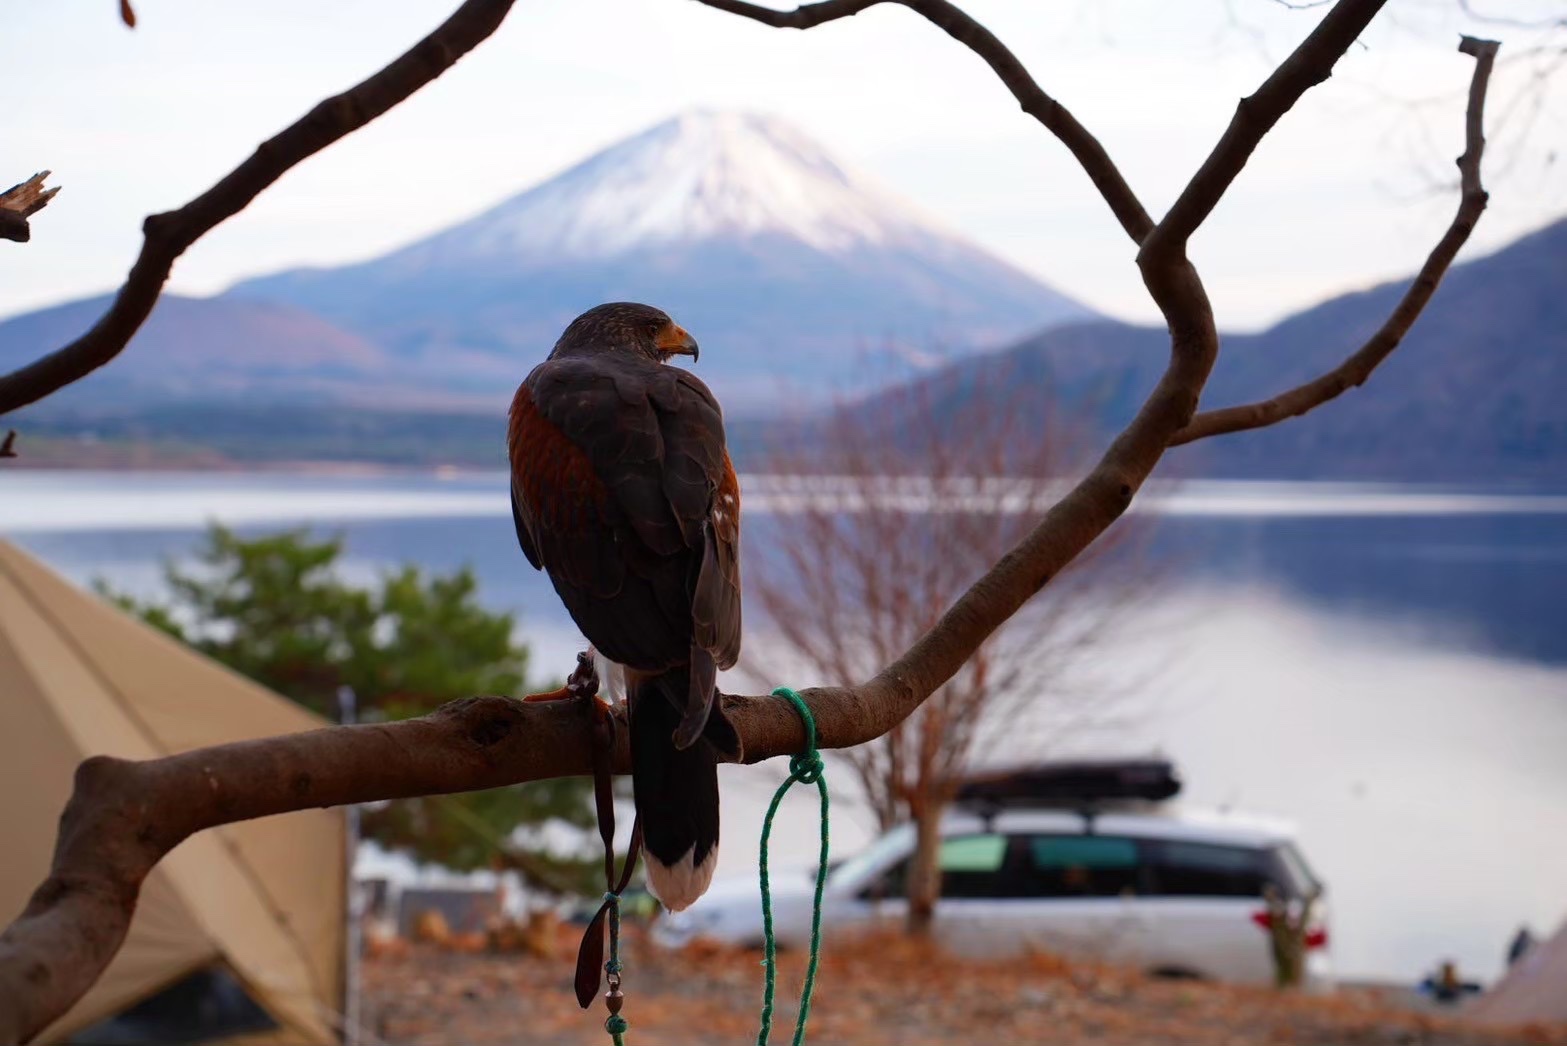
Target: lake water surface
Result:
[1386, 667]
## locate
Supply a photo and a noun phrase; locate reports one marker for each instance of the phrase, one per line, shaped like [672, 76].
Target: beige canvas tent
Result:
[262, 901]
[1534, 989]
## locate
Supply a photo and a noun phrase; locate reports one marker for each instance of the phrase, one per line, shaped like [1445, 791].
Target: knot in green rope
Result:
[807, 767]
[615, 1024]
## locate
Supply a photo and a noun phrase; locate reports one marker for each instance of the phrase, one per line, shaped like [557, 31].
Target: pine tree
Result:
[276, 609]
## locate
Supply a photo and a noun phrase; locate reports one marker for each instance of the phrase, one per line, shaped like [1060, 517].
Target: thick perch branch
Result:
[1357, 368]
[21, 202]
[124, 816]
[166, 236]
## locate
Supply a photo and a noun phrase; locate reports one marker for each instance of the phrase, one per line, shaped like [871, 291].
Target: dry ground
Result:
[875, 991]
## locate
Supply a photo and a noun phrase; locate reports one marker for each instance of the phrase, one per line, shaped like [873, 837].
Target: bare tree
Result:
[124, 816]
[880, 518]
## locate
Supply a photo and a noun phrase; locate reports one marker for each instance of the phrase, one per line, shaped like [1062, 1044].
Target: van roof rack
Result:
[1070, 783]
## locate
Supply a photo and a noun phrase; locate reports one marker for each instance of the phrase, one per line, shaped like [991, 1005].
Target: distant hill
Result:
[1477, 391]
[210, 350]
[793, 271]
[240, 434]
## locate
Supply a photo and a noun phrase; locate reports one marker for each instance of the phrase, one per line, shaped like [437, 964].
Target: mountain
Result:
[1474, 393]
[794, 272]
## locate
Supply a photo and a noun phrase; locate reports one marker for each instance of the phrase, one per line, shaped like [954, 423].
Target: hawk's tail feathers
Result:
[676, 789]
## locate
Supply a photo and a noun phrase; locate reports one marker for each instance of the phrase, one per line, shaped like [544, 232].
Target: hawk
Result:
[623, 492]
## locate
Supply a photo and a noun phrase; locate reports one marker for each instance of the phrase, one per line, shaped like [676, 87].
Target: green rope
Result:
[615, 1024]
[806, 767]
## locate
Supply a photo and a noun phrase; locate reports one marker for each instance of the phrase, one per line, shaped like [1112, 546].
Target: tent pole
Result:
[347, 714]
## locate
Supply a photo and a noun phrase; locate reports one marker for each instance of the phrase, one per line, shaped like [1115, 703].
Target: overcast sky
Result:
[1346, 192]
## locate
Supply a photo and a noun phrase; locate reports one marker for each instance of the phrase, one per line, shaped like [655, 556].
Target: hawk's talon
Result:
[581, 684]
[584, 679]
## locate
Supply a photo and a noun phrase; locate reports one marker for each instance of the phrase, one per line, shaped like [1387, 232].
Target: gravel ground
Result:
[875, 991]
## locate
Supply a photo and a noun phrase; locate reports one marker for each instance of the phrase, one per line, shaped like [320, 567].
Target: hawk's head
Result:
[625, 326]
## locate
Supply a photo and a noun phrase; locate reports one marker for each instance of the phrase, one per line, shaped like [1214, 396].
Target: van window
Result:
[1299, 874]
[1081, 866]
[971, 866]
[1182, 869]
[975, 866]
[974, 853]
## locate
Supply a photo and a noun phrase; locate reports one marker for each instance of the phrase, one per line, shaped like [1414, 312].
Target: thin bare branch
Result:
[1310, 64]
[166, 236]
[1035, 102]
[1354, 371]
[806, 16]
[1487, 18]
[1170, 277]
[19, 203]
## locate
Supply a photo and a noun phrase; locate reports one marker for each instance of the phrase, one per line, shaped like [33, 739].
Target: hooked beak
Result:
[676, 342]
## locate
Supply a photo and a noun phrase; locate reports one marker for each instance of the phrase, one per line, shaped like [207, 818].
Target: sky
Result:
[1352, 188]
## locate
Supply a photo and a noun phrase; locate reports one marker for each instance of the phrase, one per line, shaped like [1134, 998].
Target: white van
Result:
[1174, 893]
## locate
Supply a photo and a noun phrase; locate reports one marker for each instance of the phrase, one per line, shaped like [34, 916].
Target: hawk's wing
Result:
[523, 538]
[622, 490]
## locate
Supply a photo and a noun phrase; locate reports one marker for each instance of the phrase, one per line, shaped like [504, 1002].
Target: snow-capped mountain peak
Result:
[801, 269]
[699, 175]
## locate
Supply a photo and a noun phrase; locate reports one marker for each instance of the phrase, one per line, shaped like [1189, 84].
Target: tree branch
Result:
[124, 816]
[166, 236]
[19, 203]
[1310, 64]
[1354, 371]
[1035, 102]
[1552, 22]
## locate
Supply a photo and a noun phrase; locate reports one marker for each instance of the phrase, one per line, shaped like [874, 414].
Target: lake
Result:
[1384, 666]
